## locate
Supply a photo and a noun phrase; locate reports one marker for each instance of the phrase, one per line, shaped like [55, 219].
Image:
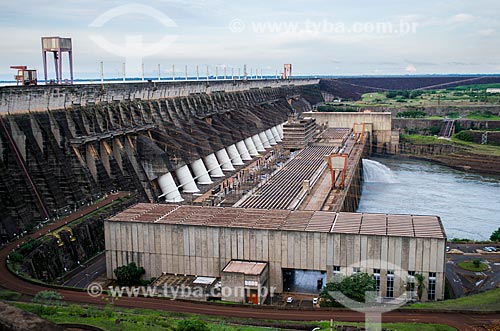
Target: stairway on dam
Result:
[57, 158]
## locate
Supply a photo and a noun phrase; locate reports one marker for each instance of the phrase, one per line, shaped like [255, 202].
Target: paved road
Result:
[463, 322]
[460, 280]
[87, 275]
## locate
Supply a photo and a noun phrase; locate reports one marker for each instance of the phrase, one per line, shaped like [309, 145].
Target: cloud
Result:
[486, 32]
[421, 63]
[410, 69]
[461, 18]
[458, 63]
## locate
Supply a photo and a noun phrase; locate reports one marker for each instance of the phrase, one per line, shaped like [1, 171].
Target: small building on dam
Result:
[257, 247]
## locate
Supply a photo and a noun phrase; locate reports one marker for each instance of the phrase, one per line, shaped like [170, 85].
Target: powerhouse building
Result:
[237, 243]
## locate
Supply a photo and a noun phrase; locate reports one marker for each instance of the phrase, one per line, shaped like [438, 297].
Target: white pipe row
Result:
[214, 165]
[243, 150]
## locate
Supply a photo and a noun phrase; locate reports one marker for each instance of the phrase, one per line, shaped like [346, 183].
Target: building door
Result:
[253, 297]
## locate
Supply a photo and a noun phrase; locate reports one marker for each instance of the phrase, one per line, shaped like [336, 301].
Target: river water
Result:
[468, 204]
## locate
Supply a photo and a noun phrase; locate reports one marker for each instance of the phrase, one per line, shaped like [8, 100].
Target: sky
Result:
[357, 37]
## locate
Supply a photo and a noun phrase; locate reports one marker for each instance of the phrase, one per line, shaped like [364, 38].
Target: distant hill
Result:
[353, 88]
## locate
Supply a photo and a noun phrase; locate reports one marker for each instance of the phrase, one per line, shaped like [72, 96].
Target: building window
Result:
[410, 287]
[356, 270]
[376, 277]
[431, 292]
[390, 284]
[336, 269]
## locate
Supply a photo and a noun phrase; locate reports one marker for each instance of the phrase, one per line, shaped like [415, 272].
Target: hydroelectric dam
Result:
[226, 173]
[62, 147]
[65, 146]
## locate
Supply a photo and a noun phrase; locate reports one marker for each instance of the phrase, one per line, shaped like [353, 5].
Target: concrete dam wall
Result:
[41, 98]
[161, 141]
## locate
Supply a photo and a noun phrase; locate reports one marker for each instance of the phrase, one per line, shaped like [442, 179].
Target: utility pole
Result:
[197, 72]
[142, 69]
[173, 72]
[102, 72]
[123, 71]
[159, 73]
[186, 71]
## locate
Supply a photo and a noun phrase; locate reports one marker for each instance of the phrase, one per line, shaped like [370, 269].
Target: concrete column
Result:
[234, 155]
[242, 149]
[117, 148]
[270, 137]
[264, 139]
[252, 150]
[169, 188]
[276, 134]
[213, 166]
[280, 130]
[90, 157]
[186, 179]
[258, 143]
[201, 173]
[105, 150]
[224, 160]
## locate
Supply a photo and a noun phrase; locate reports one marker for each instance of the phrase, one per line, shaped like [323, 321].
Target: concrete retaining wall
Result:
[423, 125]
[378, 124]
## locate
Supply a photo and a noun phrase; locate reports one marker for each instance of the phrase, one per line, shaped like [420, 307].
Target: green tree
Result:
[464, 136]
[353, 287]
[16, 257]
[495, 236]
[192, 324]
[420, 285]
[129, 274]
[48, 298]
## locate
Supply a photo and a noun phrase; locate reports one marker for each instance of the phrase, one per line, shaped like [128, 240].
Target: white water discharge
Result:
[376, 172]
[468, 204]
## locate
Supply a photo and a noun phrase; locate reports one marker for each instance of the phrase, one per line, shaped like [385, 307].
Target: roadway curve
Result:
[463, 322]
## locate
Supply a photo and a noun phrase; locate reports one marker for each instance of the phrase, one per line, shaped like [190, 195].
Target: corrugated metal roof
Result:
[335, 133]
[310, 221]
[245, 267]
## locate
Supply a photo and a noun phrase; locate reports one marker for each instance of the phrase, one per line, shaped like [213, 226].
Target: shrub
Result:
[129, 274]
[9, 295]
[28, 246]
[433, 130]
[353, 287]
[16, 257]
[192, 324]
[48, 297]
[76, 310]
[464, 136]
[495, 236]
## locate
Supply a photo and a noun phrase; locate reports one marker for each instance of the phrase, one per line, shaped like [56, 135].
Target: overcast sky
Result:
[318, 37]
